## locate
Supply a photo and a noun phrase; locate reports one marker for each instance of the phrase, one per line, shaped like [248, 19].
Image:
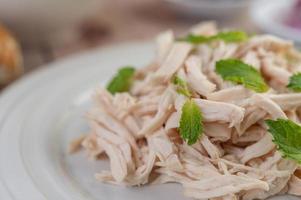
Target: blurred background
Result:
[36, 32]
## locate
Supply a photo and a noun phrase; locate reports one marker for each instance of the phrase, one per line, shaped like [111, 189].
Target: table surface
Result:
[117, 21]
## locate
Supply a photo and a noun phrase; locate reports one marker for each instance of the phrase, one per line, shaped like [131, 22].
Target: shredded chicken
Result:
[235, 158]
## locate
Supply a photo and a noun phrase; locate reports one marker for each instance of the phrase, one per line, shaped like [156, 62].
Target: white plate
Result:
[43, 112]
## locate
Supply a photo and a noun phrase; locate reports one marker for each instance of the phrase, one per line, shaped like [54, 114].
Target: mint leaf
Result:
[295, 82]
[196, 39]
[191, 126]
[230, 36]
[122, 81]
[238, 72]
[181, 86]
[287, 136]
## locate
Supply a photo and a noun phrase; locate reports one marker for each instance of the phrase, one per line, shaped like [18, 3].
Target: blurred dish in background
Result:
[214, 9]
[280, 17]
[36, 19]
[293, 19]
[10, 58]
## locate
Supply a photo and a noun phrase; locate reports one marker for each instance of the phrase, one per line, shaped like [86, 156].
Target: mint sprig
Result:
[295, 82]
[122, 81]
[191, 126]
[181, 86]
[239, 72]
[287, 137]
[229, 36]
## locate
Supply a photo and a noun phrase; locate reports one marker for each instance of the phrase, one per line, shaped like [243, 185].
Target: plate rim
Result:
[11, 95]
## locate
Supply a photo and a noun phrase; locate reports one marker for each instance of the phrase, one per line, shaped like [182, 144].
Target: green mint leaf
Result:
[287, 136]
[230, 36]
[191, 126]
[295, 82]
[238, 72]
[195, 39]
[181, 86]
[122, 81]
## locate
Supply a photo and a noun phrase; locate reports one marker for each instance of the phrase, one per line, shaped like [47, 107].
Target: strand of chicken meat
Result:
[235, 158]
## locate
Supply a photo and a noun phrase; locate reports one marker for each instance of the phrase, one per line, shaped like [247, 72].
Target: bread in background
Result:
[11, 64]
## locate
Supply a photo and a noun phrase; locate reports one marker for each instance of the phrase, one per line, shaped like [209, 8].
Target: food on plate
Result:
[216, 111]
[11, 65]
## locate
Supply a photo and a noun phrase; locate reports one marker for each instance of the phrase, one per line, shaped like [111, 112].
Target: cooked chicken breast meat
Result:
[234, 155]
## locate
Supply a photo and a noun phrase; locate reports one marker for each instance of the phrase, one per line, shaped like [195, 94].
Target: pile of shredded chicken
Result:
[235, 157]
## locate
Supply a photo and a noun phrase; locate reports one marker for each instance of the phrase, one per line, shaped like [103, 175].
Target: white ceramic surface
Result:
[43, 112]
[268, 15]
